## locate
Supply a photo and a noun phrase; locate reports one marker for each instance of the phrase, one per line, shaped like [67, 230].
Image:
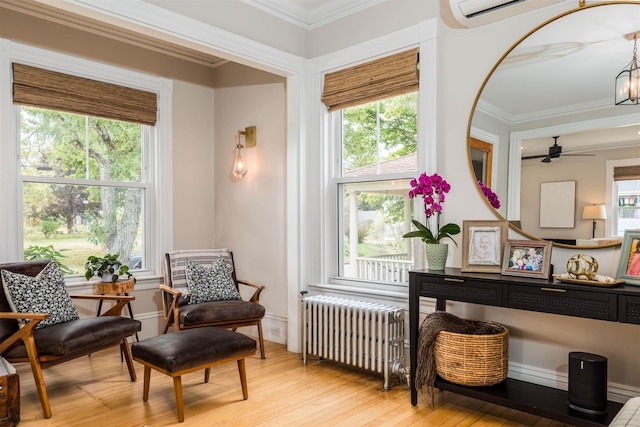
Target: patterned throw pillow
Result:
[212, 284]
[45, 293]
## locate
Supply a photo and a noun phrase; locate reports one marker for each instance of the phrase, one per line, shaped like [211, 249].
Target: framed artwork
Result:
[483, 245]
[629, 264]
[557, 204]
[529, 258]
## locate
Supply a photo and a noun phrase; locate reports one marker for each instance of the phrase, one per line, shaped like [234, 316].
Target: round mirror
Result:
[545, 133]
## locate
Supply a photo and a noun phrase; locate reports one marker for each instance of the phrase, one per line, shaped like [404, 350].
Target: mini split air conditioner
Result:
[472, 13]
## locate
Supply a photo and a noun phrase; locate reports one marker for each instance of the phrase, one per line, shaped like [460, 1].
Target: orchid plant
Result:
[432, 188]
[490, 195]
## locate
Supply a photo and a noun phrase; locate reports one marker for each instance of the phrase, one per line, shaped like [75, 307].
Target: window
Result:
[378, 158]
[80, 164]
[83, 187]
[627, 195]
[623, 195]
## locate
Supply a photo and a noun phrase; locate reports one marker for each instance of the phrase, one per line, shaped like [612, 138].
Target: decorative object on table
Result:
[629, 264]
[582, 269]
[530, 258]
[582, 266]
[594, 212]
[599, 280]
[483, 245]
[108, 268]
[432, 189]
[467, 352]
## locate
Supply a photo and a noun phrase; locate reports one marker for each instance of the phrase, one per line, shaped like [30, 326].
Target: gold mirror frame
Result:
[581, 7]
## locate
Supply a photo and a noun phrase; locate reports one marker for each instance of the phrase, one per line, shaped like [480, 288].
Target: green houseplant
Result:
[109, 268]
[432, 189]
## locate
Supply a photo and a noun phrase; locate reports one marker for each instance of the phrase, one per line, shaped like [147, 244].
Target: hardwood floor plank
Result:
[283, 392]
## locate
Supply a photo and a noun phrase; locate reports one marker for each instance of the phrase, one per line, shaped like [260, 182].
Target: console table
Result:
[614, 304]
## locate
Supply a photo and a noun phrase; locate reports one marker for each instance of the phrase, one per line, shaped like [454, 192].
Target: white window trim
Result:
[423, 35]
[158, 213]
[611, 201]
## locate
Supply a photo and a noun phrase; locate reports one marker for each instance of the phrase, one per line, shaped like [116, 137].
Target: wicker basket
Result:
[473, 360]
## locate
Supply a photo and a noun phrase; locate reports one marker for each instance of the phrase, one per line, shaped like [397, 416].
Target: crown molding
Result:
[105, 29]
[162, 30]
[312, 17]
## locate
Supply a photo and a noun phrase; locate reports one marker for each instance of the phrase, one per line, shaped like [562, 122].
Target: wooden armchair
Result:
[229, 314]
[47, 346]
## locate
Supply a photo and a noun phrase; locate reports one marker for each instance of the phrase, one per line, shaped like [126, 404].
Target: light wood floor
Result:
[96, 391]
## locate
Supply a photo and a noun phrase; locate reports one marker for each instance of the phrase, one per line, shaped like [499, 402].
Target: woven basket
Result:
[473, 360]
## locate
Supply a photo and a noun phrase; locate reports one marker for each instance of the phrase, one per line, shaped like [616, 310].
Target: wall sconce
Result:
[239, 166]
[594, 212]
[628, 81]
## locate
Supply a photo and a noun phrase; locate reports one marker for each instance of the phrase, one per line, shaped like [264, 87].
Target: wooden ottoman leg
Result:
[177, 387]
[207, 373]
[243, 379]
[145, 387]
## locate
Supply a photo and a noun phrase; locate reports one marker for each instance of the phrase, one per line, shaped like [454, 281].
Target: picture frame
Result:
[557, 204]
[629, 263]
[527, 258]
[483, 245]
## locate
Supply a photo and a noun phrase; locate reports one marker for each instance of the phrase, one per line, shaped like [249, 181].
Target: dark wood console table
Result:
[614, 304]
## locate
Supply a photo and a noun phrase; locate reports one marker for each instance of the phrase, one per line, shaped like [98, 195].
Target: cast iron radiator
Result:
[362, 334]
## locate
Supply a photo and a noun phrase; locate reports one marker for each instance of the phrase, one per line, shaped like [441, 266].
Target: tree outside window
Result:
[379, 141]
[83, 186]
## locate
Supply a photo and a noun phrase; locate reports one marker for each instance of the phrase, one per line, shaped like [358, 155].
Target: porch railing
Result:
[385, 268]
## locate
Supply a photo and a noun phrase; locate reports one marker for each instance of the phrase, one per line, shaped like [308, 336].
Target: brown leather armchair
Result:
[59, 343]
[230, 314]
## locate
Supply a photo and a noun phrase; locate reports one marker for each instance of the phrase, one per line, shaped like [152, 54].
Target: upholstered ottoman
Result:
[189, 350]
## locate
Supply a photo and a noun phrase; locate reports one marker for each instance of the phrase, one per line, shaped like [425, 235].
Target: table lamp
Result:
[594, 212]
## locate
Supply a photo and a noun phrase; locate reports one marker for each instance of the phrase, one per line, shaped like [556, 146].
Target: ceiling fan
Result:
[555, 151]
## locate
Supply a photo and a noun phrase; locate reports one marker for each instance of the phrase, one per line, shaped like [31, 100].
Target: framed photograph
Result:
[530, 258]
[629, 264]
[483, 245]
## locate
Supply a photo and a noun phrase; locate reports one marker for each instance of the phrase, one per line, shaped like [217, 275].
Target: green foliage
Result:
[423, 232]
[49, 225]
[75, 147]
[379, 131]
[37, 253]
[108, 264]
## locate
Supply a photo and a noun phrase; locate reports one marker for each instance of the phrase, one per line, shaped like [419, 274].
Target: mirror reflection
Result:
[548, 113]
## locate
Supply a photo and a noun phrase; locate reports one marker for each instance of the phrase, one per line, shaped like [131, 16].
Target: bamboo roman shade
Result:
[383, 78]
[626, 173]
[41, 88]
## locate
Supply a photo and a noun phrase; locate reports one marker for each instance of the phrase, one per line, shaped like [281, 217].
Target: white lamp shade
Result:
[594, 212]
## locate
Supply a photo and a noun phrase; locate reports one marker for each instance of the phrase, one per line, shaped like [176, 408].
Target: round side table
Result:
[121, 287]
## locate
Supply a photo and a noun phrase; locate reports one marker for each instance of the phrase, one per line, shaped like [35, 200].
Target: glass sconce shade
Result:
[239, 166]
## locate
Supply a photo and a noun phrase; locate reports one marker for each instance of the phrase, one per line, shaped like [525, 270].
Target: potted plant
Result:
[108, 268]
[432, 188]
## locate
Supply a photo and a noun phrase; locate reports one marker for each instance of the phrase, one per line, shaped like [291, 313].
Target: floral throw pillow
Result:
[210, 284]
[45, 293]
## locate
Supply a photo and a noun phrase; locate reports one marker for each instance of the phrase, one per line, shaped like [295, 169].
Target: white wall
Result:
[539, 342]
[193, 166]
[250, 213]
[590, 176]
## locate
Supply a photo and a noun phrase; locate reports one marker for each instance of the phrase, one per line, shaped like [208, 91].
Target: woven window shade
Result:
[626, 173]
[41, 88]
[383, 78]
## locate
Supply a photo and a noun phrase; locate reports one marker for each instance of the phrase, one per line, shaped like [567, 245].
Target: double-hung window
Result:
[376, 150]
[626, 191]
[87, 155]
